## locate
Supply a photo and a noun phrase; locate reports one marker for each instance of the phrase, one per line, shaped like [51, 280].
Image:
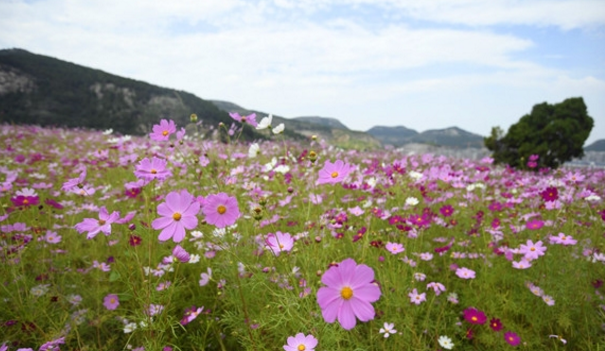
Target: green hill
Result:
[37, 89]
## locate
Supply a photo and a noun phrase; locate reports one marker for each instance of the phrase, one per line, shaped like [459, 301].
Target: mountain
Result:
[324, 121]
[396, 136]
[322, 127]
[37, 89]
[450, 137]
[598, 145]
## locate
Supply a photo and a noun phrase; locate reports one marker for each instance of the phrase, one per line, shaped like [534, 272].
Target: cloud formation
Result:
[421, 64]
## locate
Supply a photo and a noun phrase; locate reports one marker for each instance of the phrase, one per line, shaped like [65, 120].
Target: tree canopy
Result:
[547, 137]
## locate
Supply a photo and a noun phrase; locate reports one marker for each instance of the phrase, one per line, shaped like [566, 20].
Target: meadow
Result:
[176, 241]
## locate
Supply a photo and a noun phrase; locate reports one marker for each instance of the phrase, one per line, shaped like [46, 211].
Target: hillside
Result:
[598, 145]
[324, 121]
[36, 89]
[451, 137]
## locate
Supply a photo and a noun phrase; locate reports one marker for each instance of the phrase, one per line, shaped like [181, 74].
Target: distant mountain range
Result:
[37, 89]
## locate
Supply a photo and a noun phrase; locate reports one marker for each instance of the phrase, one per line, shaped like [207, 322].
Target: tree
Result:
[556, 133]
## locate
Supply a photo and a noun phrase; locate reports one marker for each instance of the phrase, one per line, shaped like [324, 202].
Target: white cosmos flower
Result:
[445, 342]
[411, 201]
[280, 128]
[265, 123]
[254, 150]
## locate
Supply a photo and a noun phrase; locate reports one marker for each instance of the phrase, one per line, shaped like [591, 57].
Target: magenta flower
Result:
[162, 131]
[152, 169]
[111, 301]
[178, 213]
[27, 201]
[550, 194]
[534, 224]
[301, 342]
[532, 251]
[334, 172]
[465, 273]
[94, 226]
[512, 338]
[495, 324]
[348, 294]
[221, 210]
[474, 316]
[279, 242]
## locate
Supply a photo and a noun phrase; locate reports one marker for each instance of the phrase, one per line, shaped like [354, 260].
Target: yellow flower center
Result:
[112, 300]
[176, 216]
[25, 201]
[334, 174]
[101, 222]
[153, 171]
[164, 133]
[221, 209]
[532, 249]
[346, 293]
[301, 347]
[474, 318]
[281, 246]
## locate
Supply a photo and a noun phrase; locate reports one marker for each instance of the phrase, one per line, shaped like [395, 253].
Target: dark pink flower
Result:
[178, 213]
[512, 338]
[474, 316]
[348, 294]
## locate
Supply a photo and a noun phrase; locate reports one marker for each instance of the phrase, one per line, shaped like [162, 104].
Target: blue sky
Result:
[421, 64]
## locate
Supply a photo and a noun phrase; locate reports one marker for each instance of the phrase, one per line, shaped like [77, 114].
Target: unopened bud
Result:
[193, 118]
[312, 156]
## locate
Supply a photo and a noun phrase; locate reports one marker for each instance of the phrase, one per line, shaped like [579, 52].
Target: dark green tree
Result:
[556, 133]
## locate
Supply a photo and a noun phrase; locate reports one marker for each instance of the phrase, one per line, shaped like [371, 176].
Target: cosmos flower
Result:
[162, 131]
[445, 342]
[495, 324]
[95, 226]
[265, 123]
[417, 298]
[221, 210]
[474, 316]
[152, 169]
[512, 338]
[178, 213]
[250, 119]
[279, 242]
[111, 301]
[348, 294]
[301, 342]
[333, 173]
[532, 251]
[394, 248]
[465, 273]
[387, 329]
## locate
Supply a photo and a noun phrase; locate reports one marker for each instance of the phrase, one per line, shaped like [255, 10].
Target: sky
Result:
[421, 64]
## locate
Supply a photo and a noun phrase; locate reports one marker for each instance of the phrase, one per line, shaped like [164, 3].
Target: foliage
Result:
[556, 133]
[446, 213]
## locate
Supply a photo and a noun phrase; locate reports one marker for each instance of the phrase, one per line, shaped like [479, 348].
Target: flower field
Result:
[175, 241]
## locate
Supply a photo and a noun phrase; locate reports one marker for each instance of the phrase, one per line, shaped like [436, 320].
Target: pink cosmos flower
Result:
[279, 242]
[474, 316]
[94, 226]
[348, 294]
[152, 169]
[437, 287]
[206, 277]
[52, 237]
[522, 264]
[465, 273]
[532, 251]
[512, 338]
[111, 301]
[74, 182]
[301, 342]
[191, 314]
[562, 239]
[178, 213]
[394, 248]
[334, 172]
[180, 254]
[221, 210]
[417, 298]
[534, 224]
[250, 119]
[162, 131]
